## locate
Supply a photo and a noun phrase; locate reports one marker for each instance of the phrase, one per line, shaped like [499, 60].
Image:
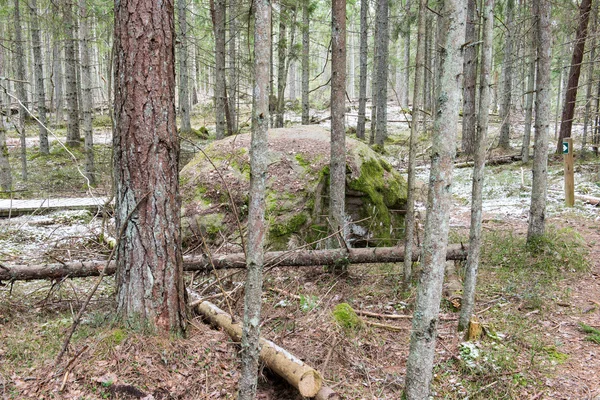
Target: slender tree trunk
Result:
[418, 95]
[362, 80]
[374, 82]
[428, 73]
[383, 39]
[38, 72]
[232, 95]
[590, 82]
[337, 176]
[281, 56]
[405, 75]
[218, 16]
[256, 209]
[5, 173]
[468, 301]
[469, 121]
[73, 135]
[529, 100]
[292, 81]
[86, 98]
[20, 85]
[150, 288]
[424, 330]
[568, 111]
[184, 70]
[507, 66]
[539, 186]
[305, 62]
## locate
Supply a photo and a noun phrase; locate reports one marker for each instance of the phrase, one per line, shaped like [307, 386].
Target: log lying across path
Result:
[306, 379]
[296, 258]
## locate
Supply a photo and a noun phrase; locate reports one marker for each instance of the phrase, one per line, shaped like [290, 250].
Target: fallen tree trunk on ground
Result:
[298, 258]
[492, 161]
[595, 201]
[306, 379]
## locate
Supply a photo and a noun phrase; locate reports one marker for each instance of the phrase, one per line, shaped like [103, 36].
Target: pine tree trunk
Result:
[256, 209]
[362, 80]
[374, 82]
[382, 45]
[529, 100]
[337, 176]
[86, 98]
[418, 95]
[539, 186]
[281, 57]
[232, 94]
[405, 75]
[218, 16]
[5, 173]
[469, 121]
[20, 86]
[590, 82]
[468, 301]
[305, 62]
[184, 88]
[73, 134]
[424, 330]
[507, 66]
[150, 288]
[568, 111]
[38, 71]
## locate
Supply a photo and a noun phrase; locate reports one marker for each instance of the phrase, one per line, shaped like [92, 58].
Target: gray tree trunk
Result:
[38, 72]
[539, 186]
[233, 79]
[281, 57]
[219, 31]
[529, 100]
[20, 85]
[469, 121]
[256, 209]
[419, 365]
[374, 82]
[382, 44]
[184, 70]
[5, 173]
[418, 95]
[507, 66]
[73, 134]
[468, 301]
[87, 96]
[362, 80]
[590, 82]
[405, 74]
[305, 62]
[337, 176]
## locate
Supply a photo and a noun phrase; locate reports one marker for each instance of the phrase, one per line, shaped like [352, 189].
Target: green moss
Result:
[304, 163]
[346, 318]
[289, 226]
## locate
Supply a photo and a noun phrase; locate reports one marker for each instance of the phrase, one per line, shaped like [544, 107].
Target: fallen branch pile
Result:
[297, 258]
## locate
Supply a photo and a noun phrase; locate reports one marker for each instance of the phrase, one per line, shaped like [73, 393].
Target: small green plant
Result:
[346, 317]
[593, 334]
[308, 303]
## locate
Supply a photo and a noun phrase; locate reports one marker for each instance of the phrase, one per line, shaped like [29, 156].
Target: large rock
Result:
[297, 191]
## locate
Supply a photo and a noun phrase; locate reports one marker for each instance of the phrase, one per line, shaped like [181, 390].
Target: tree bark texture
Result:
[507, 67]
[539, 185]
[233, 74]
[305, 62]
[381, 69]
[529, 99]
[299, 258]
[568, 111]
[590, 83]
[5, 173]
[337, 168]
[150, 289]
[468, 298]
[409, 220]
[87, 96]
[184, 70]
[38, 72]
[424, 330]
[362, 79]
[256, 208]
[20, 85]
[405, 75]
[469, 121]
[73, 134]
[218, 7]
[281, 72]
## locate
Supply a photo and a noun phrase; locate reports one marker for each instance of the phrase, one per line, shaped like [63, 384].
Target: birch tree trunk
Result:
[86, 98]
[382, 44]
[184, 70]
[468, 301]
[362, 80]
[469, 121]
[539, 186]
[38, 72]
[73, 134]
[20, 86]
[529, 99]
[256, 209]
[218, 7]
[418, 95]
[305, 62]
[233, 78]
[337, 174]
[150, 288]
[507, 66]
[424, 330]
[568, 111]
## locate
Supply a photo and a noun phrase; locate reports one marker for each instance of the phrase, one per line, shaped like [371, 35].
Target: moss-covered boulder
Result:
[297, 191]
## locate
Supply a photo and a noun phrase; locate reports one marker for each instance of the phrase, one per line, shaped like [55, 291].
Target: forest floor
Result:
[532, 302]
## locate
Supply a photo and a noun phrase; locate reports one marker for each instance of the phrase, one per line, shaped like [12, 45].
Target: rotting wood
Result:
[306, 379]
[300, 258]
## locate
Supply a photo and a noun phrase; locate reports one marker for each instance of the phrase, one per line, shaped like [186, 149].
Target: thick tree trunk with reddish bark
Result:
[568, 111]
[150, 290]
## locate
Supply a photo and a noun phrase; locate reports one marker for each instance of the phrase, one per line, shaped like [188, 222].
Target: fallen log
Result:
[306, 379]
[595, 201]
[492, 161]
[298, 258]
